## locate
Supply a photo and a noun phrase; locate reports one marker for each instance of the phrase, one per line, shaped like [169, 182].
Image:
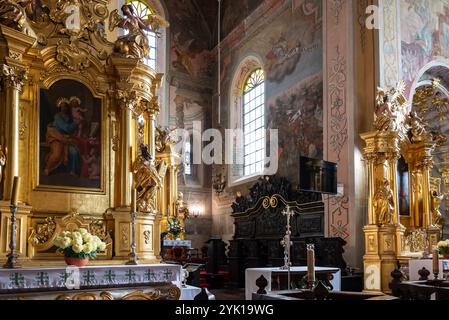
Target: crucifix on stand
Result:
[287, 243]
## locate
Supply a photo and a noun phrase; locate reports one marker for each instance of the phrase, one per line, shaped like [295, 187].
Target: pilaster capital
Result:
[13, 76]
[128, 99]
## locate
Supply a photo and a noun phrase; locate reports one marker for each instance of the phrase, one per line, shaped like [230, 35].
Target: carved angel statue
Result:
[384, 204]
[417, 130]
[390, 108]
[181, 210]
[12, 14]
[134, 44]
[2, 163]
[147, 181]
[437, 216]
[165, 137]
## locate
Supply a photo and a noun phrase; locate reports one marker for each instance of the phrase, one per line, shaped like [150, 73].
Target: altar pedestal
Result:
[276, 276]
[148, 242]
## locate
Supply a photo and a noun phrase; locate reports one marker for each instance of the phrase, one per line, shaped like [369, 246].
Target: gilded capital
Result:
[14, 76]
[127, 99]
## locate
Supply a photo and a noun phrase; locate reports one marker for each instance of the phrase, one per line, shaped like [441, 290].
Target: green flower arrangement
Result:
[79, 244]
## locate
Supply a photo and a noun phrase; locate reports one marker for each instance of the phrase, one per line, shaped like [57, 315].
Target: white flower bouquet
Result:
[79, 244]
[443, 246]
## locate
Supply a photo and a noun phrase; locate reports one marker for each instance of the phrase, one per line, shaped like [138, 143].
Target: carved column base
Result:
[382, 252]
[147, 236]
[22, 215]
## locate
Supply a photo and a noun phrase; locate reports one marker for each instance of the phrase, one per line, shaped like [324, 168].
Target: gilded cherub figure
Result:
[417, 130]
[384, 204]
[135, 43]
[181, 210]
[437, 216]
[146, 181]
[164, 138]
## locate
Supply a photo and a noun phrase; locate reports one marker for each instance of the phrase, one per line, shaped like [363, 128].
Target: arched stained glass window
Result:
[253, 114]
[142, 10]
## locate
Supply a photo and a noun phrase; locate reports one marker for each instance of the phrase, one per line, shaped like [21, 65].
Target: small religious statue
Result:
[181, 210]
[390, 108]
[437, 216]
[2, 163]
[147, 181]
[135, 43]
[417, 131]
[12, 14]
[384, 204]
[164, 138]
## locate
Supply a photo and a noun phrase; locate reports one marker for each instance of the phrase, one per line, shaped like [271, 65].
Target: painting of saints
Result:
[70, 139]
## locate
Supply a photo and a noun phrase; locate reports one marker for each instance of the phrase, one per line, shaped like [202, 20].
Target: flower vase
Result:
[446, 256]
[78, 262]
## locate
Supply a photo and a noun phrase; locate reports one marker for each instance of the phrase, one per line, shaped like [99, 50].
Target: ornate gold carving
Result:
[165, 137]
[391, 107]
[384, 203]
[72, 56]
[14, 76]
[416, 241]
[147, 236]
[44, 231]
[12, 14]
[135, 43]
[147, 180]
[127, 99]
[124, 235]
[115, 143]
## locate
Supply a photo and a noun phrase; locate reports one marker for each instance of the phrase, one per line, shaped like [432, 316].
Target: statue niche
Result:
[384, 204]
[135, 43]
[147, 180]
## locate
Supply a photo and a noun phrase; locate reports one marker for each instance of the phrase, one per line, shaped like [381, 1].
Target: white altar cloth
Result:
[251, 275]
[417, 264]
[90, 276]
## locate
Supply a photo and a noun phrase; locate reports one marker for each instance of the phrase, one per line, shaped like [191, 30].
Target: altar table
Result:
[273, 274]
[42, 280]
[417, 264]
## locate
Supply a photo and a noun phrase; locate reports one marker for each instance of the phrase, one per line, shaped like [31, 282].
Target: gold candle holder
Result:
[12, 262]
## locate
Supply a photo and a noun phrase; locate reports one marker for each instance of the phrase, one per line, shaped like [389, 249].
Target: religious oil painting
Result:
[70, 147]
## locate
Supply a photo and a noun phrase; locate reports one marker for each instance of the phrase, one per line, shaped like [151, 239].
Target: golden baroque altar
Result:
[78, 125]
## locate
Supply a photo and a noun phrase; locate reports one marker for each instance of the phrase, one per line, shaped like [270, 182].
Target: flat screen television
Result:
[317, 176]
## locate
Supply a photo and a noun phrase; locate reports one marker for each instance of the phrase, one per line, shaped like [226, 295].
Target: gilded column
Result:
[13, 78]
[153, 112]
[127, 102]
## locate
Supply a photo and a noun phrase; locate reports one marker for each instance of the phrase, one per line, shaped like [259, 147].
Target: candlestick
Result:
[436, 263]
[134, 200]
[311, 265]
[15, 191]
[12, 262]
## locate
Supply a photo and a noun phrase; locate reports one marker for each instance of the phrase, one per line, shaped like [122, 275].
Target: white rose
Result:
[66, 242]
[88, 248]
[87, 238]
[82, 231]
[58, 241]
[77, 248]
[97, 240]
[66, 234]
[102, 246]
[77, 241]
